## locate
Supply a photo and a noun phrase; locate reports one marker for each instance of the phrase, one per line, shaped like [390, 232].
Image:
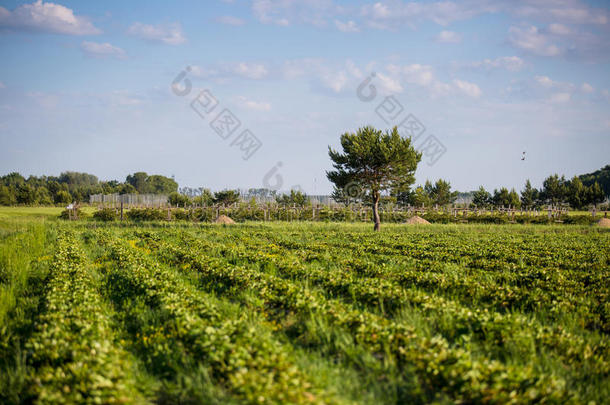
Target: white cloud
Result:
[530, 39]
[559, 29]
[349, 26]
[559, 40]
[544, 88]
[511, 63]
[395, 14]
[587, 88]
[470, 89]
[287, 12]
[46, 17]
[449, 37]
[566, 11]
[123, 98]
[169, 34]
[102, 50]
[388, 84]
[335, 81]
[250, 70]
[254, 105]
[421, 75]
[560, 97]
[544, 81]
[230, 20]
[247, 70]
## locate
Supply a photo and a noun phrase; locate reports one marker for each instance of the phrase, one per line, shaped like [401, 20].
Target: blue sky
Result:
[87, 86]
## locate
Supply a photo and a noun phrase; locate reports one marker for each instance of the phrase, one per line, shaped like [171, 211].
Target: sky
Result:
[248, 94]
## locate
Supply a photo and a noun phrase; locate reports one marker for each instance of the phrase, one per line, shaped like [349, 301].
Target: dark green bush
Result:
[105, 214]
[146, 214]
[180, 215]
[65, 214]
[580, 219]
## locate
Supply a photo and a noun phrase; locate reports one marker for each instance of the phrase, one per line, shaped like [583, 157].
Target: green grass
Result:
[36, 212]
[302, 312]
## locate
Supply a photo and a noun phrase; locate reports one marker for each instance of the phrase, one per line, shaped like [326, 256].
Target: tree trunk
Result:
[376, 211]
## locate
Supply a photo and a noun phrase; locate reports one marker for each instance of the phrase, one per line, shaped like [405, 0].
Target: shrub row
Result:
[249, 213]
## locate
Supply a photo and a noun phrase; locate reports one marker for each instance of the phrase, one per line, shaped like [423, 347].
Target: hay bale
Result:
[415, 220]
[604, 223]
[223, 219]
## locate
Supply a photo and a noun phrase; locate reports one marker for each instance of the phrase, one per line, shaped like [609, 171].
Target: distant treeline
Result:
[71, 187]
[579, 192]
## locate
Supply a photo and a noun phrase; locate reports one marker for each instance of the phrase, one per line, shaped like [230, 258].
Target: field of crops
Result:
[303, 313]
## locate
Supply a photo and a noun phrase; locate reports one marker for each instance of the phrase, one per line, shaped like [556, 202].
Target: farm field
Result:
[303, 313]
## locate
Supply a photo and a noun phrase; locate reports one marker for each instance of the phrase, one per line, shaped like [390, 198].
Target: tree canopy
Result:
[372, 162]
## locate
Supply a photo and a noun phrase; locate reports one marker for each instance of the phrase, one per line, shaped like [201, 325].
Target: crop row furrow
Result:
[438, 366]
[74, 351]
[510, 329]
[257, 368]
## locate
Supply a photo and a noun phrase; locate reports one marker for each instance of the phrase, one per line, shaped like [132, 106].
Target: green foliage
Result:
[529, 196]
[554, 189]
[576, 193]
[441, 193]
[505, 198]
[180, 200]
[204, 198]
[152, 184]
[146, 214]
[312, 314]
[23, 273]
[226, 197]
[294, 198]
[74, 351]
[63, 197]
[78, 179]
[105, 214]
[595, 194]
[373, 162]
[481, 198]
[7, 196]
[70, 214]
[601, 176]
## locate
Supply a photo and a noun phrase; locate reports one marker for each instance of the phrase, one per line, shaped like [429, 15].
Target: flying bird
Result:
[523, 156]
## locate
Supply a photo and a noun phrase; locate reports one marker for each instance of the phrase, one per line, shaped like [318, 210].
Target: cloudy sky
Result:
[251, 93]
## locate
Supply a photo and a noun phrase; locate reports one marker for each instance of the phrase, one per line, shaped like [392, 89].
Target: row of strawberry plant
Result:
[440, 368]
[74, 353]
[532, 289]
[255, 367]
[588, 356]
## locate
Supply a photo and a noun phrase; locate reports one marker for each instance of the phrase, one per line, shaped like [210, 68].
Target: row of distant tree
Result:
[579, 192]
[203, 196]
[71, 187]
[555, 191]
